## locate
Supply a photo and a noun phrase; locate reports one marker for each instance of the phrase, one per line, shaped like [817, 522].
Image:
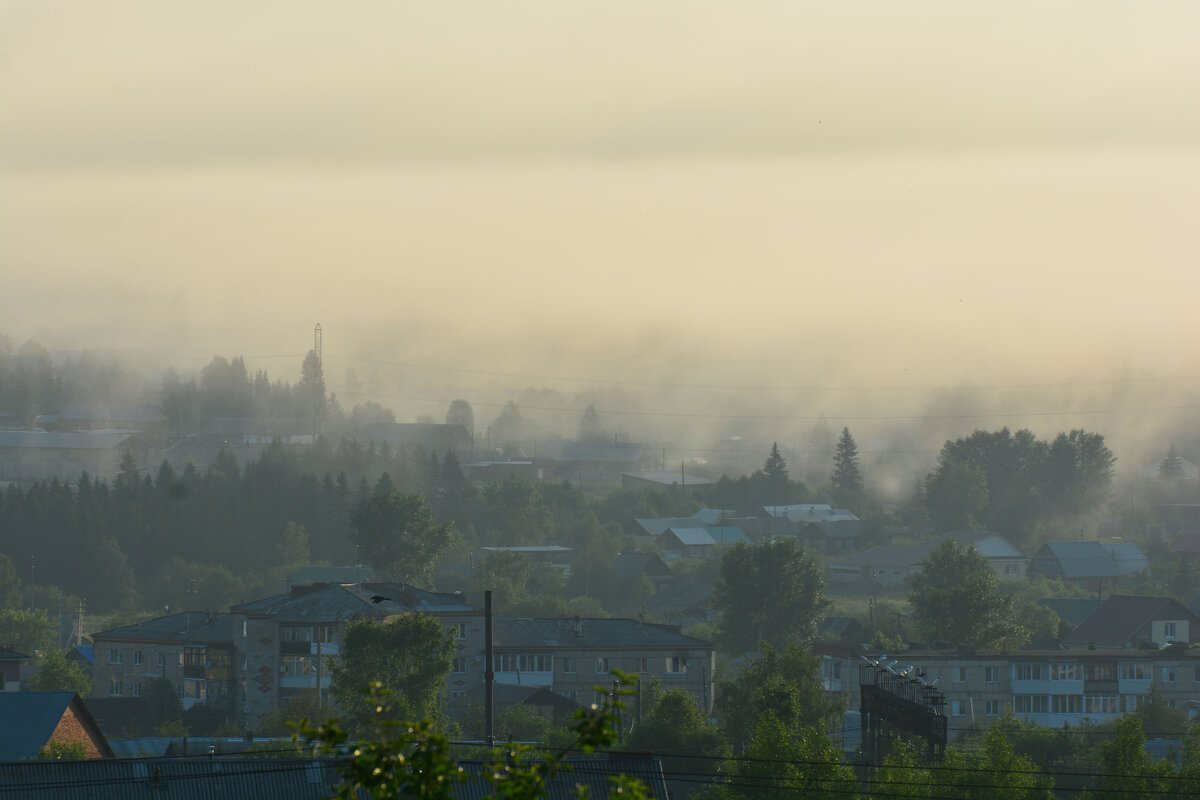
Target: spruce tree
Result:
[847, 477]
[776, 472]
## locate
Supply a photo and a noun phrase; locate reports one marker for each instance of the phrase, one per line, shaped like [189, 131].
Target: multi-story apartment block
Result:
[572, 657]
[284, 644]
[1052, 687]
[268, 651]
[192, 650]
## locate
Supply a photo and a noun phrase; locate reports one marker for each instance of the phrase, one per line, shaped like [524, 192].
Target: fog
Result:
[720, 223]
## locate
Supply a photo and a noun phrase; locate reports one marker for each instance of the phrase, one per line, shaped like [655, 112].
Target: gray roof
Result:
[1073, 609]
[115, 412]
[809, 512]
[1092, 559]
[546, 548]
[627, 566]
[340, 602]
[29, 719]
[188, 627]
[713, 516]
[591, 452]
[837, 529]
[1119, 618]
[691, 537]
[657, 527]
[81, 440]
[990, 545]
[669, 478]
[254, 425]
[672, 600]
[606, 634]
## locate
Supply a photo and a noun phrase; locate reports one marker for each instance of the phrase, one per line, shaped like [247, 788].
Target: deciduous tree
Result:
[956, 597]
[772, 592]
[398, 535]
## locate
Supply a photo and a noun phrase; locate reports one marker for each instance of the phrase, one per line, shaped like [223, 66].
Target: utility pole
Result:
[489, 673]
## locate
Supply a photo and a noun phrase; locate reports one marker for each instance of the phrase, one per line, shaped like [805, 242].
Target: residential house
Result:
[893, 565]
[255, 431]
[572, 656]
[1091, 565]
[144, 418]
[662, 479]
[1179, 518]
[591, 461]
[833, 536]
[682, 604]
[545, 702]
[486, 469]
[698, 542]
[193, 650]
[31, 456]
[1124, 621]
[10, 669]
[1073, 609]
[628, 568]
[284, 643]
[31, 721]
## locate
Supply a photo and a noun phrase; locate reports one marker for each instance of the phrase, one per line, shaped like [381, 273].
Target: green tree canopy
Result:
[956, 598]
[772, 592]
[409, 655]
[460, 413]
[847, 477]
[398, 535]
[783, 684]
[57, 674]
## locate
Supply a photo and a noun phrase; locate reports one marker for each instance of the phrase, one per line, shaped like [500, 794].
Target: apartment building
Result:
[1047, 687]
[574, 656]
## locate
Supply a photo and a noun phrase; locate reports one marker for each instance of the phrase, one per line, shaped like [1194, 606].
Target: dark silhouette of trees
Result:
[772, 592]
[847, 477]
[460, 413]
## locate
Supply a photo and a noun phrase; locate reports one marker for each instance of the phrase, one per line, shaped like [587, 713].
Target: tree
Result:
[409, 655]
[509, 425]
[1128, 771]
[310, 391]
[59, 675]
[772, 592]
[783, 684]
[847, 477]
[460, 413]
[775, 472]
[515, 512]
[10, 584]
[505, 574]
[956, 597]
[782, 764]
[589, 426]
[28, 632]
[398, 534]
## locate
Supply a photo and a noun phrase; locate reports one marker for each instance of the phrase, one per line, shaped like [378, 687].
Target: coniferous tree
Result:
[847, 477]
[775, 471]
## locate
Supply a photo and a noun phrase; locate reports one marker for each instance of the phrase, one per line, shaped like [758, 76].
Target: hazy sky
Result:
[743, 191]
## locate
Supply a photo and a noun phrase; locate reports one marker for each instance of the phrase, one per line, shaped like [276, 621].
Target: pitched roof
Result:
[28, 721]
[656, 527]
[81, 440]
[990, 545]
[627, 566]
[1119, 618]
[713, 516]
[691, 537]
[669, 478]
[1092, 559]
[8, 654]
[340, 602]
[607, 634]
[609, 452]
[672, 600]
[1073, 609]
[837, 529]
[727, 534]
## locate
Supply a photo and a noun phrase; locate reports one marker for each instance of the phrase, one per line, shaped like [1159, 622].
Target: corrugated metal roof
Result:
[339, 602]
[1092, 559]
[81, 440]
[1118, 619]
[28, 720]
[591, 633]
[184, 627]
[669, 478]
[657, 527]
[692, 537]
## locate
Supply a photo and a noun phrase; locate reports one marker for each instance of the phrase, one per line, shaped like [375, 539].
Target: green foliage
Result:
[407, 759]
[57, 674]
[28, 632]
[1128, 771]
[62, 751]
[784, 763]
[770, 593]
[399, 536]
[163, 700]
[408, 655]
[1010, 482]
[955, 597]
[506, 574]
[1159, 719]
[847, 480]
[515, 512]
[784, 684]
[10, 584]
[460, 413]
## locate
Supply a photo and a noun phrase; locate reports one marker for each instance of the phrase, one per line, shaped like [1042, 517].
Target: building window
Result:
[958, 708]
[1134, 671]
[298, 666]
[643, 665]
[1027, 672]
[568, 665]
[602, 665]
[195, 689]
[1100, 671]
[1100, 704]
[114, 688]
[1064, 672]
[960, 674]
[1031, 703]
[137, 689]
[535, 662]
[459, 630]
[992, 674]
[1168, 630]
[1066, 703]
[569, 693]
[599, 697]
[458, 666]
[1168, 674]
[1130, 702]
[993, 708]
[677, 664]
[114, 656]
[137, 657]
[161, 658]
[1011, 570]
